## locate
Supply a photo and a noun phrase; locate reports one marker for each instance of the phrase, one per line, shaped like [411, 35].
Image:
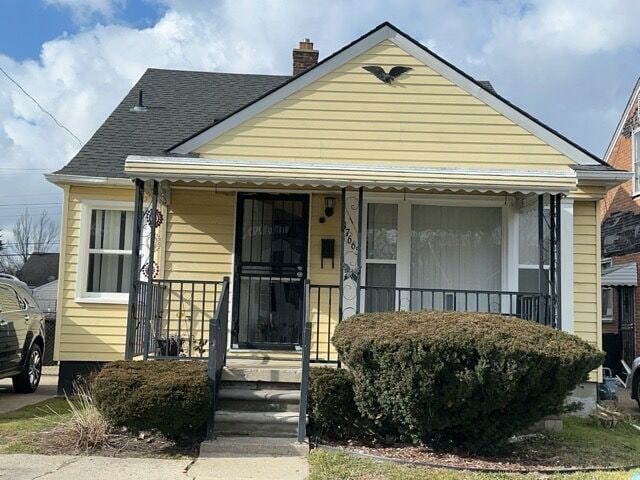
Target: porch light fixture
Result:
[329, 205]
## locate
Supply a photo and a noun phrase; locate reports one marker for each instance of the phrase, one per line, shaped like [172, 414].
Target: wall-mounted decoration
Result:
[385, 77]
[350, 263]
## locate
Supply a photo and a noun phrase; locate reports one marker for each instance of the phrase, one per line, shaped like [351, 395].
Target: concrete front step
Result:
[261, 374]
[256, 424]
[262, 400]
[234, 446]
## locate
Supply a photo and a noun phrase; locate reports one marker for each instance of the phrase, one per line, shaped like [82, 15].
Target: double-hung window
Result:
[105, 263]
[381, 260]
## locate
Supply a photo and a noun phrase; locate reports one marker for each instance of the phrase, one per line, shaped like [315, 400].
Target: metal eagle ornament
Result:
[385, 77]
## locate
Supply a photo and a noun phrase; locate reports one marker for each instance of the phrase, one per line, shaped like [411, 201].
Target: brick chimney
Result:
[304, 57]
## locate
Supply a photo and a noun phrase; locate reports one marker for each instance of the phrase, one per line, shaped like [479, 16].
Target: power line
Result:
[40, 106]
[9, 205]
[25, 169]
[31, 243]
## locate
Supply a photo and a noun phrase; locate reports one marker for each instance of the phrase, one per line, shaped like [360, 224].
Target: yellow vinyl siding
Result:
[86, 331]
[198, 248]
[199, 243]
[349, 115]
[324, 314]
[586, 275]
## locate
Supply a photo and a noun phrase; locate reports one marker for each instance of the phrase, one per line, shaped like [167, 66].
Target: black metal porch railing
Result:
[526, 305]
[325, 314]
[179, 325]
[218, 345]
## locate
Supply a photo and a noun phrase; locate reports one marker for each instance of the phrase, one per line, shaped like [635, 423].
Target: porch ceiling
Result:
[287, 173]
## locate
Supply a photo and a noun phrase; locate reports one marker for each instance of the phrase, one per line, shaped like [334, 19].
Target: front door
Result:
[270, 267]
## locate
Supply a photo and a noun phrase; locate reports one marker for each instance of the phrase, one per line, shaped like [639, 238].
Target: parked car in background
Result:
[21, 335]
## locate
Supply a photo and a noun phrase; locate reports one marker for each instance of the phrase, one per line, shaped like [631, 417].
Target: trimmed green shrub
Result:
[332, 410]
[170, 396]
[459, 379]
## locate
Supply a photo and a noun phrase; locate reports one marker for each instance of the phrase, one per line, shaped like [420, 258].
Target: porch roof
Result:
[331, 175]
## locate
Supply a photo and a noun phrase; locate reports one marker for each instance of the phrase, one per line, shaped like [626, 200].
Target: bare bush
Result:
[86, 430]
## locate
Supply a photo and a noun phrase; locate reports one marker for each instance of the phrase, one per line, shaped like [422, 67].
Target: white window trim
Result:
[82, 296]
[634, 180]
[607, 318]
[510, 225]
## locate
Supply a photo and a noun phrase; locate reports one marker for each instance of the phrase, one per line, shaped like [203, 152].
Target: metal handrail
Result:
[306, 355]
[218, 324]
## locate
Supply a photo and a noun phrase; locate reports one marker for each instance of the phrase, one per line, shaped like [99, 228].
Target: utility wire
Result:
[40, 106]
[40, 204]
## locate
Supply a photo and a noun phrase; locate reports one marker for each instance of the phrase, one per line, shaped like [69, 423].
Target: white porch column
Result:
[566, 263]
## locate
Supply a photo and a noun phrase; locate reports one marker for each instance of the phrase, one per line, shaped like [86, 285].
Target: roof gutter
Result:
[61, 179]
[609, 178]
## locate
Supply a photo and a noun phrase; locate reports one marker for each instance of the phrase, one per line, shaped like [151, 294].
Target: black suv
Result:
[21, 335]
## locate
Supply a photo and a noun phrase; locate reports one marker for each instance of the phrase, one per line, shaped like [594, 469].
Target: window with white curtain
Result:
[381, 255]
[108, 252]
[458, 248]
[528, 251]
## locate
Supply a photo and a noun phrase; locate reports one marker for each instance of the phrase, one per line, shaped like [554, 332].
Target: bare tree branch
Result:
[30, 234]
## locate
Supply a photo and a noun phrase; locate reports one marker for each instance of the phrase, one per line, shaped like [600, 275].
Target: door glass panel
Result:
[456, 248]
[380, 299]
[382, 231]
[271, 268]
[269, 310]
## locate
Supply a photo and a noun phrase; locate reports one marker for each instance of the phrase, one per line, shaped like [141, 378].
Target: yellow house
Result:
[382, 177]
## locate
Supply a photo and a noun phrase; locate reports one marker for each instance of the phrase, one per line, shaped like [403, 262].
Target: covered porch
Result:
[318, 250]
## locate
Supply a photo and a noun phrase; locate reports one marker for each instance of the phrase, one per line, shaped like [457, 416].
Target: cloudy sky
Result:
[571, 63]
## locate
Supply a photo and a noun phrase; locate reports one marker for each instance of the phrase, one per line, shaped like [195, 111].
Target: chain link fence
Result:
[46, 296]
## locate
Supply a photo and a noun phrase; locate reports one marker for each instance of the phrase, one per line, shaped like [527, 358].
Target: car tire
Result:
[29, 379]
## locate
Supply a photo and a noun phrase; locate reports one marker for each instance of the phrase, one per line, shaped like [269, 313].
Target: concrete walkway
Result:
[64, 467]
[10, 401]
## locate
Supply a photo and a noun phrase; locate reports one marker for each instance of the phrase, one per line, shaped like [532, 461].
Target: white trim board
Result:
[383, 32]
[81, 294]
[623, 119]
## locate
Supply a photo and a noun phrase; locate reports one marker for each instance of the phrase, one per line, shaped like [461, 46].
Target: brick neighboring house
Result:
[620, 233]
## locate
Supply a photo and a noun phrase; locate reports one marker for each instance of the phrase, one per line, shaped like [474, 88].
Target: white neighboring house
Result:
[45, 295]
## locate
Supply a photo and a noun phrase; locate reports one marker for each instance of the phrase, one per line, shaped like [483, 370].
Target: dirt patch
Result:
[541, 452]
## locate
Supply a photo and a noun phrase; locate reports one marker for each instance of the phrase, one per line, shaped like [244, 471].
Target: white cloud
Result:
[571, 62]
[83, 11]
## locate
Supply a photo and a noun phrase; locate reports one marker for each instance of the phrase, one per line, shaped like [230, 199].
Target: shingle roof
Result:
[179, 104]
[39, 269]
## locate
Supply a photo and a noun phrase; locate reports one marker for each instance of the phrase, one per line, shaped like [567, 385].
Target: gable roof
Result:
[627, 109]
[40, 268]
[387, 31]
[179, 103]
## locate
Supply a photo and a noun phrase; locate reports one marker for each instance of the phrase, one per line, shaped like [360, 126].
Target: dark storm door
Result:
[270, 268]
[627, 319]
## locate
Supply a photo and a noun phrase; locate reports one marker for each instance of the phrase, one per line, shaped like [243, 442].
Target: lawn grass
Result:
[581, 443]
[326, 465]
[20, 429]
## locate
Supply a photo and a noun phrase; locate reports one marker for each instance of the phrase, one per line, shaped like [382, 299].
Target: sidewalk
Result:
[64, 467]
